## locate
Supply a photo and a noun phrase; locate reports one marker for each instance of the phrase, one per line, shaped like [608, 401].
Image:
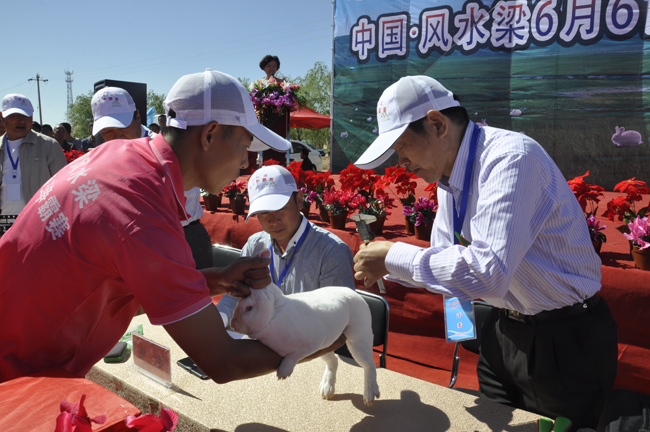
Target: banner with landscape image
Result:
[569, 73]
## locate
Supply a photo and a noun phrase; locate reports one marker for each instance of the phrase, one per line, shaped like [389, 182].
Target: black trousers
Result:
[199, 240]
[559, 363]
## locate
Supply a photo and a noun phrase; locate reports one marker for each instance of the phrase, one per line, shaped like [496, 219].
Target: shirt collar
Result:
[171, 166]
[294, 240]
[455, 181]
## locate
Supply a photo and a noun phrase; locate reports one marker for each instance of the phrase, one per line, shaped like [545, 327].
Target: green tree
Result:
[244, 81]
[80, 115]
[315, 89]
[156, 100]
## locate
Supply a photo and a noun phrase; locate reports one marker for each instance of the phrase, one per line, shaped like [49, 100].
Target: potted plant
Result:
[403, 181]
[378, 206]
[597, 237]
[236, 192]
[639, 235]
[588, 197]
[319, 183]
[340, 204]
[308, 197]
[624, 207]
[421, 214]
[211, 201]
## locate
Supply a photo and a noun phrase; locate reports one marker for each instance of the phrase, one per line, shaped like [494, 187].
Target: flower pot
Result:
[210, 202]
[597, 245]
[410, 226]
[641, 258]
[338, 221]
[423, 232]
[305, 209]
[238, 205]
[377, 227]
[323, 214]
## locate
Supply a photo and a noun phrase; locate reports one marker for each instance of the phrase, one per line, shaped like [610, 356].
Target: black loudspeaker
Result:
[138, 92]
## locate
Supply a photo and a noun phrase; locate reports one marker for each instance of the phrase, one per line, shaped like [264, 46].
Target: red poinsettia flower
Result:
[617, 207]
[432, 188]
[355, 179]
[586, 194]
[152, 423]
[74, 418]
[404, 181]
[624, 207]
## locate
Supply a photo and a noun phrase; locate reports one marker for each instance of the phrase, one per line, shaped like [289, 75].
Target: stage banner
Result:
[569, 73]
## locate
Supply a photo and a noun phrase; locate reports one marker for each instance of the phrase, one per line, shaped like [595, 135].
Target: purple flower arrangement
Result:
[308, 197]
[273, 98]
[595, 229]
[422, 212]
[639, 232]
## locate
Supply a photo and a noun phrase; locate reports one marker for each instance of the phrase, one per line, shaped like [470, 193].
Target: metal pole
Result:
[40, 110]
[38, 86]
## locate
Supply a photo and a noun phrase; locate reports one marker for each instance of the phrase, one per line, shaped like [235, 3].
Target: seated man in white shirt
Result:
[115, 116]
[304, 256]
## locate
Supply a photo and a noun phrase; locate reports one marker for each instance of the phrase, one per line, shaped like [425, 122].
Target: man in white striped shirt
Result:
[550, 344]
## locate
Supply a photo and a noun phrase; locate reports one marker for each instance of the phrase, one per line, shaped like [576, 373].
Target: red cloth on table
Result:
[31, 403]
[416, 341]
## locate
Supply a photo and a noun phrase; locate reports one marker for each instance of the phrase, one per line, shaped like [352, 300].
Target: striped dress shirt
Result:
[530, 247]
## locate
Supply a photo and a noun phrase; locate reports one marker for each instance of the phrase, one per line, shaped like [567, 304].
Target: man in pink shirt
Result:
[103, 237]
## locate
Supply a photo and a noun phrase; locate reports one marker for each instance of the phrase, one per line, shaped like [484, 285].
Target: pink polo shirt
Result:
[99, 239]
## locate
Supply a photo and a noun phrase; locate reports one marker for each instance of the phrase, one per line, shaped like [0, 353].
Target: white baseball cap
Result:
[269, 189]
[405, 101]
[200, 98]
[112, 107]
[15, 103]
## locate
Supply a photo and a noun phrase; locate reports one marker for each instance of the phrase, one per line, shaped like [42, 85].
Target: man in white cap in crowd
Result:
[550, 344]
[106, 238]
[27, 158]
[115, 116]
[304, 257]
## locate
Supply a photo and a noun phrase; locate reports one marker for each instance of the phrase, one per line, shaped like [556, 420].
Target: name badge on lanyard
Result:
[293, 254]
[14, 165]
[460, 323]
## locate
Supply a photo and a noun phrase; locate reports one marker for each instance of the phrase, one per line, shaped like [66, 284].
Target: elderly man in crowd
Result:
[111, 240]
[304, 257]
[27, 158]
[115, 116]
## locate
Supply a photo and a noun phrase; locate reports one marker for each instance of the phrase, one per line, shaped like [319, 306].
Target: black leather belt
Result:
[556, 314]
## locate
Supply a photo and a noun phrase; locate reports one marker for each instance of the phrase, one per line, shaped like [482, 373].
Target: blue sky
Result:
[152, 42]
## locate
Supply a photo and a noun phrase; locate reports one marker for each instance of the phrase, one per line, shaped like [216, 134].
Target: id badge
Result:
[13, 191]
[460, 323]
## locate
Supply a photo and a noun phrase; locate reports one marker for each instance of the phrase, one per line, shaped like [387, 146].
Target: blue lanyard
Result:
[293, 254]
[14, 165]
[459, 217]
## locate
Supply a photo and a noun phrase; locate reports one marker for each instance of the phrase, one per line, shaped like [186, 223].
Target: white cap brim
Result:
[121, 120]
[268, 203]
[381, 149]
[264, 139]
[11, 111]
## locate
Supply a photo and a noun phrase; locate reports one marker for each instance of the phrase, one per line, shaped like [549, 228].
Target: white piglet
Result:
[298, 325]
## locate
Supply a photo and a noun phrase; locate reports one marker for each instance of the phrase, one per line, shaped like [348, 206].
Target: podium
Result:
[280, 127]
